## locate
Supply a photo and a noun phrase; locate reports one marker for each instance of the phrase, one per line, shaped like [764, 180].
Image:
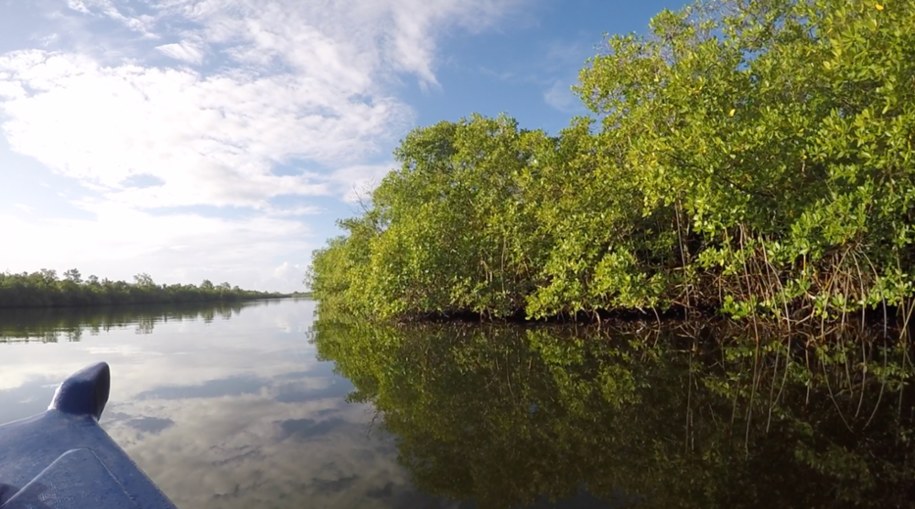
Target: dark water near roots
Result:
[258, 405]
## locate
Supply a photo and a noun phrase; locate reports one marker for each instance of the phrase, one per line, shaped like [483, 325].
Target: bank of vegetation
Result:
[747, 157]
[45, 289]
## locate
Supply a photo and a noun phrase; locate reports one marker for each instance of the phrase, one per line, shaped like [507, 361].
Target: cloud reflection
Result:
[234, 412]
[231, 386]
[150, 424]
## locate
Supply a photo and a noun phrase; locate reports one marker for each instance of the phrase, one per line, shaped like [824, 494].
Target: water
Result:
[222, 407]
[257, 405]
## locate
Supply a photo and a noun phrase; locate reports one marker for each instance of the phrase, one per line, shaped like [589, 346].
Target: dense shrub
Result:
[750, 156]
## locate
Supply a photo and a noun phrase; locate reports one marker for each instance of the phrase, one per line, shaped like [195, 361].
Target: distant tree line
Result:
[45, 289]
[749, 157]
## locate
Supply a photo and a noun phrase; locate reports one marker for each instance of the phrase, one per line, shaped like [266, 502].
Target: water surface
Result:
[259, 405]
[222, 406]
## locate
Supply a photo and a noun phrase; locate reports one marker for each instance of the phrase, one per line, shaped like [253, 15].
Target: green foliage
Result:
[750, 156]
[781, 129]
[449, 231]
[44, 289]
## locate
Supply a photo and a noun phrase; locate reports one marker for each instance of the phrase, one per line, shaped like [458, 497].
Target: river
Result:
[259, 405]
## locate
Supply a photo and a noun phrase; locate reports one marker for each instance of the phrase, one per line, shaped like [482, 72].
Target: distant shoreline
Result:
[43, 289]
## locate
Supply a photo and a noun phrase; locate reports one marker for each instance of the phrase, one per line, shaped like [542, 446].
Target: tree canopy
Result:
[44, 289]
[747, 156]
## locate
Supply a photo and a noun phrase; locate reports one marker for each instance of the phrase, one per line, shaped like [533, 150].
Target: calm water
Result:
[257, 405]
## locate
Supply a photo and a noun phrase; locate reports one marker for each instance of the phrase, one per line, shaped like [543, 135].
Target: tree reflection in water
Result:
[51, 325]
[509, 416]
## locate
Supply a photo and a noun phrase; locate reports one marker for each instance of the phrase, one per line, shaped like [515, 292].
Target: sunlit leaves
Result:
[785, 132]
[747, 155]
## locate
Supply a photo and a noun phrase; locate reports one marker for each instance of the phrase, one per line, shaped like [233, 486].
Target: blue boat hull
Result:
[63, 459]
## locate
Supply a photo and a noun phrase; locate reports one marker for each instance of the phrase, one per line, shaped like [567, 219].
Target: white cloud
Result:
[350, 41]
[296, 82]
[356, 183]
[78, 5]
[185, 51]
[210, 140]
[560, 96]
[293, 211]
[119, 242]
[218, 103]
[288, 270]
[108, 9]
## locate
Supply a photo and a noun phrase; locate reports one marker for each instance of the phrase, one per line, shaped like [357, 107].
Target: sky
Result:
[223, 139]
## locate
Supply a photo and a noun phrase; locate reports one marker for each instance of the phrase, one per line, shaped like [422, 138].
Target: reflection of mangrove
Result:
[508, 416]
[69, 324]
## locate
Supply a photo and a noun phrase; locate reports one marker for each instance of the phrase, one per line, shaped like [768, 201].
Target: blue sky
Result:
[222, 139]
